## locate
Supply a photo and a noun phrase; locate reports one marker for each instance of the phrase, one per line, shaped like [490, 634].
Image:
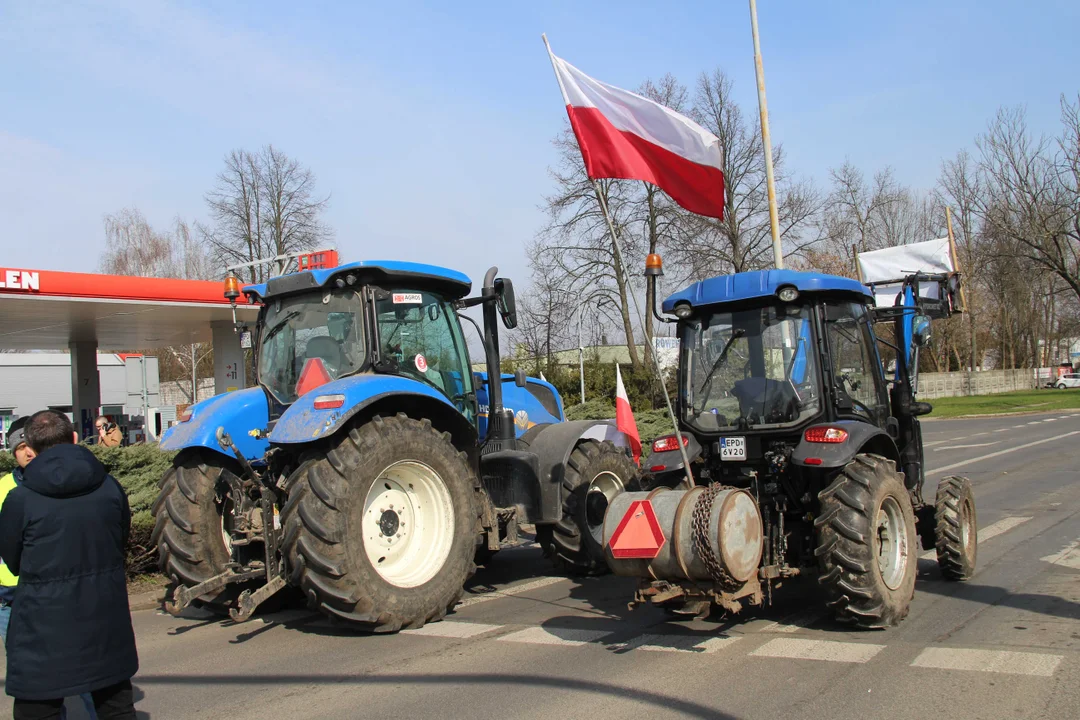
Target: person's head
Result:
[102, 424]
[48, 428]
[17, 442]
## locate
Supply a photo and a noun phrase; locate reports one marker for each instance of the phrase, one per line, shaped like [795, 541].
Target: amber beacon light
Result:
[232, 288]
[654, 266]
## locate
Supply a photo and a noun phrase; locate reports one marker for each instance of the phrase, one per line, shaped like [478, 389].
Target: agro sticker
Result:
[421, 363]
[408, 299]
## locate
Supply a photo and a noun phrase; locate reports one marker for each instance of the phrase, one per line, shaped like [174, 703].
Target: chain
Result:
[700, 523]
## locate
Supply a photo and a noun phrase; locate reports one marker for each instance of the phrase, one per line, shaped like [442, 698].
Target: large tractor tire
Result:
[866, 543]
[189, 531]
[956, 528]
[380, 530]
[595, 474]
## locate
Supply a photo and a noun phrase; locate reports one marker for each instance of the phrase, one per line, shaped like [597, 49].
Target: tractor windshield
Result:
[749, 369]
[310, 339]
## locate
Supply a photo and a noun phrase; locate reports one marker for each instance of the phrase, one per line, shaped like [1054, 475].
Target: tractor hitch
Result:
[184, 596]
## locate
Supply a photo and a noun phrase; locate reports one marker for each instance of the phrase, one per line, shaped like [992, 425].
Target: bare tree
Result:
[960, 188]
[742, 240]
[856, 212]
[1031, 196]
[264, 204]
[134, 247]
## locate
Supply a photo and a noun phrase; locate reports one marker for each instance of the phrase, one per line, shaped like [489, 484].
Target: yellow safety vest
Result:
[7, 483]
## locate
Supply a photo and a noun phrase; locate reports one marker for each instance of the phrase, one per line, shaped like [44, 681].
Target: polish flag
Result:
[624, 135]
[624, 416]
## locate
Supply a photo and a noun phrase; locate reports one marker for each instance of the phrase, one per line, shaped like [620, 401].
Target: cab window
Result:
[855, 373]
[419, 336]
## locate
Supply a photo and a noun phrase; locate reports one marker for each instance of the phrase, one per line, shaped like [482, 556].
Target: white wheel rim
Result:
[602, 490]
[408, 524]
[226, 515]
[892, 543]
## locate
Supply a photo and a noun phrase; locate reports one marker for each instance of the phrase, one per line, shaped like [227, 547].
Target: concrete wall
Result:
[178, 392]
[953, 384]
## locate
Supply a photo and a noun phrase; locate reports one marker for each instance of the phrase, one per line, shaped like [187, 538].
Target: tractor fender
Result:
[303, 423]
[244, 414]
[553, 445]
[670, 461]
[862, 438]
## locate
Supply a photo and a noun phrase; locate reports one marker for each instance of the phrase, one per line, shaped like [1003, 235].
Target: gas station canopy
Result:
[48, 310]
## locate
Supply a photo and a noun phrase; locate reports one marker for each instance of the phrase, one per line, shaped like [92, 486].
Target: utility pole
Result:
[774, 222]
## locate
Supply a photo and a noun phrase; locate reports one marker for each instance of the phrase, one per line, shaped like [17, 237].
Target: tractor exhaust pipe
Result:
[708, 534]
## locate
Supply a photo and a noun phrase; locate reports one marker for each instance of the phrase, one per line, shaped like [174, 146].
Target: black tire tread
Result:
[951, 553]
[315, 534]
[570, 550]
[845, 552]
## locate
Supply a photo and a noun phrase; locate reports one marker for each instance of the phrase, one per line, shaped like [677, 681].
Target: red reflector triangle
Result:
[638, 534]
[312, 376]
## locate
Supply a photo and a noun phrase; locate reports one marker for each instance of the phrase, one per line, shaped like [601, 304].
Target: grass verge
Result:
[1010, 402]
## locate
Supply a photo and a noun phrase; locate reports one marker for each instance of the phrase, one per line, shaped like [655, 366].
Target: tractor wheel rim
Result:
[967, 537]
[604, 488]
[408, 524]
[892, 542]
[227, 523]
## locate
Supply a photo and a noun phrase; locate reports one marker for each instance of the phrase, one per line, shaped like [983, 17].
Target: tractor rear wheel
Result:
[595, 474]
[956, 528]
[189, 530]
[866, 543]
[380, 530]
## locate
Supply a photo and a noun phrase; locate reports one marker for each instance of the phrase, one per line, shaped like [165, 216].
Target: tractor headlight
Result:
[683, 311]
[788, 294]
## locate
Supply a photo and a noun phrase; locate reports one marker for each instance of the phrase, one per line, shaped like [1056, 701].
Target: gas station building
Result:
[86, 314]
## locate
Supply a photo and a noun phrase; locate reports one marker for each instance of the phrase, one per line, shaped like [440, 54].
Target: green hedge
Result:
[138, 469]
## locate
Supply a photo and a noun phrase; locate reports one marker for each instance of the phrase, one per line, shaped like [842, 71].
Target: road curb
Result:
[146, 600]
[1072, 411]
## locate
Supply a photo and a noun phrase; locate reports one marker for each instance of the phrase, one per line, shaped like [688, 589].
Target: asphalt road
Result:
[527, 644]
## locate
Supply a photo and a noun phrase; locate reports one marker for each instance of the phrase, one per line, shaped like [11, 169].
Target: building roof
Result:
[603, 354]
[48, 310]
[759, 284]
[52, 359]
[452, 282]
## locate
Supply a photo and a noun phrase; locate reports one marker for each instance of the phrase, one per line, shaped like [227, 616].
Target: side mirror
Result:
[519, 378]
[920, 331]
[504, 291]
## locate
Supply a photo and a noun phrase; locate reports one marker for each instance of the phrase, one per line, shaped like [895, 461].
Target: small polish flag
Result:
[624, 135]
[624, 416]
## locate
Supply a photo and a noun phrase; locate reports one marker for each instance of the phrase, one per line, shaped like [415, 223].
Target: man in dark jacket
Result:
[63, 532]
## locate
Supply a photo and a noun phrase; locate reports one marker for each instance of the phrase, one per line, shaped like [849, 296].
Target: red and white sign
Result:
[624, 416]
[421, 363]
[624, 135]
[20, 280]
[638, 535]
[408, 299]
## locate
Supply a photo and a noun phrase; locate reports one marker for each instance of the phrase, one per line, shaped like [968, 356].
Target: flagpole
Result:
[689, 475]
[763, 108]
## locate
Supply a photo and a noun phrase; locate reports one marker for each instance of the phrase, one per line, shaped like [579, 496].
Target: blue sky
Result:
[430, 123]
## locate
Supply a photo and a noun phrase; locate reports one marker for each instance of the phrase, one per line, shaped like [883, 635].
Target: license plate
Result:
[733, 448]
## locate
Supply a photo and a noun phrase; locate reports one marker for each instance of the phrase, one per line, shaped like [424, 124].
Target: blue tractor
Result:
[806, 455]
[370, 468]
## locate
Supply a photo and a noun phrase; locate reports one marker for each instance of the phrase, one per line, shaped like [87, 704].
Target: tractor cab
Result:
[766, 354]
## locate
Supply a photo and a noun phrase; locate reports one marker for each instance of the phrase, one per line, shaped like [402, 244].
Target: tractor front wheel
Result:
[380, 530]
[866, 543]
[596, 473]
[955, 528]
[190, 528]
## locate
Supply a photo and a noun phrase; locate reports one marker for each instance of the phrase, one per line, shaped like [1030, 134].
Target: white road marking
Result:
[453, 629]
[829, 650]
[555, 636]
[1049, 419]
[1034, 422]
[1003, 429]
[678, 643]
[1001, 452]
[1068, 557]
[936, 442]
[795, 622]
[990, 531]
[972, 445]
[996, 661]
[510, 591]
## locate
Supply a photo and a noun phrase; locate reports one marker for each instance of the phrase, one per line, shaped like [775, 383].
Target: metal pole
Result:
[194, 377]
[581, 353]
[689, 475]
[774, 223]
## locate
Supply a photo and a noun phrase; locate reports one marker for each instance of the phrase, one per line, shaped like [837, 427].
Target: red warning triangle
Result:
[312, 376]
[638, 535]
